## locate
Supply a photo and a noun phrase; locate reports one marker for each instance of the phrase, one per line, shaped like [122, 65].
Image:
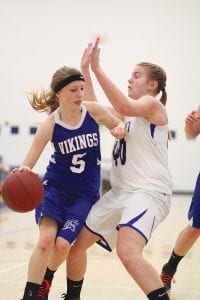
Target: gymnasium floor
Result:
[106, 279]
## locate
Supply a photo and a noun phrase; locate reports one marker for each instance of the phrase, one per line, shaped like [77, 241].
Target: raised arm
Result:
[192, 124]
[89, 88]
[85, 67]
[148, 106]
[114, 95]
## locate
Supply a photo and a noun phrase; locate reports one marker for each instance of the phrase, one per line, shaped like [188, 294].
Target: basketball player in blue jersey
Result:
[191, 232]
[72, 178]
[141, 191]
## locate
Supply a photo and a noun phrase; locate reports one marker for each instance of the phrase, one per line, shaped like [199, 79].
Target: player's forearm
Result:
[33, 154]
[118, 100]
[89, 94]
[29, 162]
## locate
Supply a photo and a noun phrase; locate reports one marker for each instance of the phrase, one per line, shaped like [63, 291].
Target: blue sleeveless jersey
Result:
[75, 163]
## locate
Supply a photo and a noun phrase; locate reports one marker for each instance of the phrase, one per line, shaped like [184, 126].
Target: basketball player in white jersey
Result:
[140, 196]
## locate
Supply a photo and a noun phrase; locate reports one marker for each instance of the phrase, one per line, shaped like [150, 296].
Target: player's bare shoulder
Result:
[94, 108]
[46, 127]
[158, 111]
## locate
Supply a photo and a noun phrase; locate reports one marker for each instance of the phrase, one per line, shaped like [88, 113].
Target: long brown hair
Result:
[158, 74]
[46, 100]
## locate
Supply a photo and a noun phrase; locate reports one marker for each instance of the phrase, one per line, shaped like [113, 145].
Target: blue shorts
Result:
[68, 208]
[194, 210]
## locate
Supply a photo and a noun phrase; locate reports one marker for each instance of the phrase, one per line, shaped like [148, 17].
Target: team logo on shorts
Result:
[71, 225]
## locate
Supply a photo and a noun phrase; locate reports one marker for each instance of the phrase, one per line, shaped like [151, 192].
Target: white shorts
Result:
[140, 209]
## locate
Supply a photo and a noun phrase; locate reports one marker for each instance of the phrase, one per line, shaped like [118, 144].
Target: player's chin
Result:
[132, 95]
[130, 92]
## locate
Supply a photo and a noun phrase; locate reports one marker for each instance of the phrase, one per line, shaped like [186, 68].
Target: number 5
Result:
[79, 164]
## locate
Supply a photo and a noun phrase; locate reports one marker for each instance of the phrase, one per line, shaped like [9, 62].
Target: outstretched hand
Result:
[85, 59]
[94, 60]
[90, 56]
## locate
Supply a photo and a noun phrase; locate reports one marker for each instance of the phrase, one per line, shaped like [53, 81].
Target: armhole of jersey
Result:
[83, 113]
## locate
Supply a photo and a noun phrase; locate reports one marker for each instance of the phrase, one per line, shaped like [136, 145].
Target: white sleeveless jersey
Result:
[141, 160]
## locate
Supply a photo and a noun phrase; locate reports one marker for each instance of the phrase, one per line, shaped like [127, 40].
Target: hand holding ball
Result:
[22, 191]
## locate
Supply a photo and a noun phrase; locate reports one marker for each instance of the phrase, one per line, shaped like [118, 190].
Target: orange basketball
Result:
[22, 191]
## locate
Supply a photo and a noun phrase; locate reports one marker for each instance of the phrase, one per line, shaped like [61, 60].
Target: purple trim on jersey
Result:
[152, 128]
[137, 218]
[131, 222]
[194, 210]
[103, 243]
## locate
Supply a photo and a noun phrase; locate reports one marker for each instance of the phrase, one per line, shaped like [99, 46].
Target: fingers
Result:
[95, 47]
[21, 169]
[97, 41]
[192, 117]
[85, 60]
[87, 50]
